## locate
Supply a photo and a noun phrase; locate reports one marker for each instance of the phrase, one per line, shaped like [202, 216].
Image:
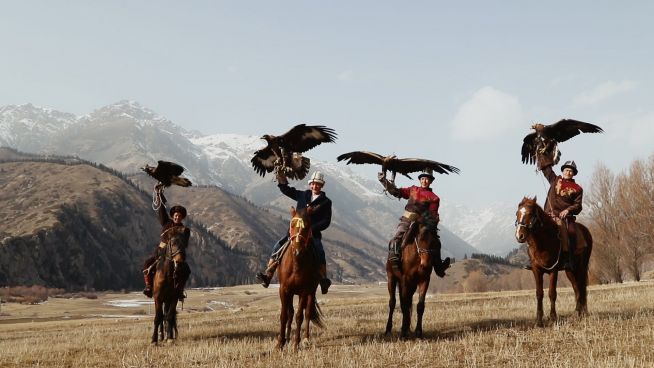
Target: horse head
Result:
[425, 239]
[300, 228]
[528, 215]
[176, 245]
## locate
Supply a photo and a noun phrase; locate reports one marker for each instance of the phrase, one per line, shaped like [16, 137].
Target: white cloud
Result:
[604, 91]
[486, 115]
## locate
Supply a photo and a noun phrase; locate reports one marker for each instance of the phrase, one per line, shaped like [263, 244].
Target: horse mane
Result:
[540, 212]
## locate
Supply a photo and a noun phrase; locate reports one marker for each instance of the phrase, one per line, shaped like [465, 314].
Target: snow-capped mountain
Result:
[29, 127]
[490, 229]
[125, 136]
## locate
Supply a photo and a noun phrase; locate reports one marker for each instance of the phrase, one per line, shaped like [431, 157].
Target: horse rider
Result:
[422, 202]
[168, 224]
[320, 220]
[563, 202]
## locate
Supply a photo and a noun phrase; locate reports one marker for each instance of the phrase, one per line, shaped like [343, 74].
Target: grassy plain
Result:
[237, 327]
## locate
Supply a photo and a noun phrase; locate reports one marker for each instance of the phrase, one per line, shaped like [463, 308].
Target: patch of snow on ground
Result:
[128, 303]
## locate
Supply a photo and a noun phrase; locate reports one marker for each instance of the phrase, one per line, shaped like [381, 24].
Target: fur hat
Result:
[317, 177]
[428, 173]
[179, 209]
[570, 165]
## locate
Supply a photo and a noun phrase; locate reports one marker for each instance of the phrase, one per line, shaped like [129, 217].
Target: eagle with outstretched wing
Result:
[395, 165]
[167, 173]
[545, 139]
[284, 152]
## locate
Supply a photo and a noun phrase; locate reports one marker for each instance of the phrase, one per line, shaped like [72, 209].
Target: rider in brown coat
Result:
[563, 203]
[174, 222]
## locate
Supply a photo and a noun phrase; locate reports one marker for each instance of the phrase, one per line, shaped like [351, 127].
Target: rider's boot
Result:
[148, 283]
[267, 275]
[440, 265]
[569, 263]
[394, 254]
[181, 276]
[325, 283]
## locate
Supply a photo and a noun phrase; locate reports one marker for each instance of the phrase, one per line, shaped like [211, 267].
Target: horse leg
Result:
[283, 316]
[554, 276]
[308, 313]
[420, 307]
[392, 285]
[158, 320]
[574, 281]
[289, 323]
[299, 318]
[538, 276]
[171, 320]
[406, 296]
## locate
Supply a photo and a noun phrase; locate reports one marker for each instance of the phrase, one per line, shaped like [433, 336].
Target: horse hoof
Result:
[170, 341]
[305, 343]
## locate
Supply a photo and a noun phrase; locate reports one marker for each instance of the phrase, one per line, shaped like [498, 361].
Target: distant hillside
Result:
[79, 226]
[126, 135]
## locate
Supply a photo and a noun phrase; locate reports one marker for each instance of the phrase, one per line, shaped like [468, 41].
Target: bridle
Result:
[534, 221]
[298, 241]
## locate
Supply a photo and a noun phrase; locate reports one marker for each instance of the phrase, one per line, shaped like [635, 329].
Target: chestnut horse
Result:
[541, 233]
[298, 275]
[163, 292]
[417, 246]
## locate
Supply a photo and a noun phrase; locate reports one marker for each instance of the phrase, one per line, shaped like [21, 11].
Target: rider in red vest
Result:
[422, 202]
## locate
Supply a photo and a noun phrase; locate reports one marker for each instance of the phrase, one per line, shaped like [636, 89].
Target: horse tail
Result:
[316, 314]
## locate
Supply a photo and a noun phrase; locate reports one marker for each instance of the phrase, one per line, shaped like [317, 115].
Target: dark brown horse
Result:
[541, 233]
[298, 275]
[164, 294]
[417, 246]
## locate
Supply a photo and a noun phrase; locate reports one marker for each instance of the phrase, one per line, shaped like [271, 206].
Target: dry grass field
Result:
[237, 327]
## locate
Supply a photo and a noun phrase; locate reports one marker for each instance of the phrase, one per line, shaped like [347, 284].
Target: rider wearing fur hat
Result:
[422, 202]
[174, 222]
[320, 220]
[563, 202]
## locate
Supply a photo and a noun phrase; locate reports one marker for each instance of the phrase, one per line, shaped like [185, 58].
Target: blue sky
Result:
[458, 83]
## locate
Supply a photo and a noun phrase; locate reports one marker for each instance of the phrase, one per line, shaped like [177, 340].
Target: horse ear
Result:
[293, 212]
[535, 199]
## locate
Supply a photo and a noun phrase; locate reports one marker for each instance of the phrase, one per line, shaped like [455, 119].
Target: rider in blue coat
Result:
[320, 220]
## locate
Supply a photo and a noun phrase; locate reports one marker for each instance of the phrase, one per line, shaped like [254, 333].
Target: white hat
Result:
[318, 177]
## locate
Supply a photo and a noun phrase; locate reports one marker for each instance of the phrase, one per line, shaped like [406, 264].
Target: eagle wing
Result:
[361, 157]
[169, 169]
[264, 161]
[302, 137]
[565, 129]
[529, 149]
[409, 165]
[167, 173]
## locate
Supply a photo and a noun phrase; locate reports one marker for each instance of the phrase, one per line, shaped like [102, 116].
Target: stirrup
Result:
[263, 278]
[182, 296]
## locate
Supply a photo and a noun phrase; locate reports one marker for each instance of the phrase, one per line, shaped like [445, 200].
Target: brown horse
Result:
[417, 246]
[541, 233]
[164, 294]
[298, 275]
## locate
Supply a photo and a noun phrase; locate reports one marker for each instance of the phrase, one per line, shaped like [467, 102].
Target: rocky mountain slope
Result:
[125, 136]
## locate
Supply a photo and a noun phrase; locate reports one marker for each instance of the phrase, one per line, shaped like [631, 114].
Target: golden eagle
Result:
[395, 165]
[284, 152]
[167, 173]
[546, 137]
